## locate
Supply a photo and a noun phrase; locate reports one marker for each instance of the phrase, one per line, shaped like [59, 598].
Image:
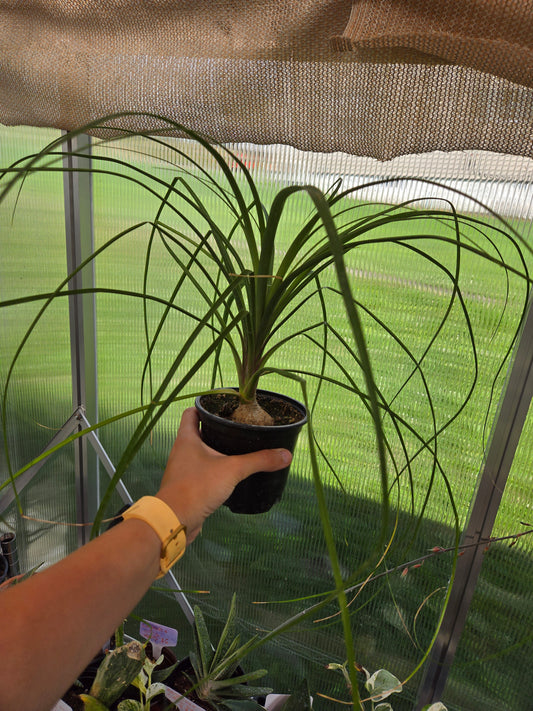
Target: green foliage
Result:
[148, 690]
[122, 667]
[379, 686]
[92, 704]
[299, 700]
[116, 672]
[218, 680]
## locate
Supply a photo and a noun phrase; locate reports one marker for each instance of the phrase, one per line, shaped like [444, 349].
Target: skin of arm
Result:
[53, 623]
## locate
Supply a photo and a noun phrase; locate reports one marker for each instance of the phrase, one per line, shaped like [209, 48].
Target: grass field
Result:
[283, 557]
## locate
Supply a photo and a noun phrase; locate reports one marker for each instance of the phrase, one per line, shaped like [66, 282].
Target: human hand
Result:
[198, 479]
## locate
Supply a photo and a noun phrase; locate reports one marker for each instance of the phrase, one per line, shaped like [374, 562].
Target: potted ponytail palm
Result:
[249, 283]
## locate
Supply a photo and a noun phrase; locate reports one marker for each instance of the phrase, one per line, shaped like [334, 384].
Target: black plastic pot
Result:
[4, 568]
[8, 548]
[260, 491]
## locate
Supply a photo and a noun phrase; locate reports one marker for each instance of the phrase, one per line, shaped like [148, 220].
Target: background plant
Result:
[379, 686]
[218, 680]
[148, 690]
[115, 673]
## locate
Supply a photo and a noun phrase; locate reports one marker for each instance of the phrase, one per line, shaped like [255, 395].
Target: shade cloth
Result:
[377, 78]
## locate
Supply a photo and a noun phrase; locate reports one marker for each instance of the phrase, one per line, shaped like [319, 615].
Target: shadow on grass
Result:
[280, 556]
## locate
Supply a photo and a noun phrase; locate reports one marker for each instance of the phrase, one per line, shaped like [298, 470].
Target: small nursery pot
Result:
[180, 683]
[71, 699]
[259, 492]
[4, 568]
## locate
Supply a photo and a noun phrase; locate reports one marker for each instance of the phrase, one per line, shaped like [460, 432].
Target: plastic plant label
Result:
[61, 706]
[180, 702]
[159, 635]
[275, 702]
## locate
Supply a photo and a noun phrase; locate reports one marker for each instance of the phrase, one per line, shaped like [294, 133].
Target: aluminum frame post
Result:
[77, 184]
[504, 440]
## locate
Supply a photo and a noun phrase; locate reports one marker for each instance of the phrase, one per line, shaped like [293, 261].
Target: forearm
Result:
[52, 624]
[55, 622]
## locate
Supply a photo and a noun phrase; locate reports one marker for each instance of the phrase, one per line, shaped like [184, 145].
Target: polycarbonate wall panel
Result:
[279, 558]
[38, 379]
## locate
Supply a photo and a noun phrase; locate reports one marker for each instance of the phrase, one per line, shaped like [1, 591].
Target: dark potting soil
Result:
[224, 404]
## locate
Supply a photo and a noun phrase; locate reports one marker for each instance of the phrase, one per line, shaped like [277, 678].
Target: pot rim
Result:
[260, 428]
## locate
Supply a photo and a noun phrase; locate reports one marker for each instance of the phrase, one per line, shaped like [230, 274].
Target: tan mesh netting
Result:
[375, 78]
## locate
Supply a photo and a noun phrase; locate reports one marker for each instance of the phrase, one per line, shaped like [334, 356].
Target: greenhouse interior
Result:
[316, 213]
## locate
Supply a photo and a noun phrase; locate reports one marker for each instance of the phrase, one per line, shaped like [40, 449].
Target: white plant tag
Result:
[159, 635]
[274, 702]
[181, 702]
[61, 706]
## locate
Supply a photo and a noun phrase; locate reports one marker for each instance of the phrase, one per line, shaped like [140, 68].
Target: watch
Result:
[159, 516]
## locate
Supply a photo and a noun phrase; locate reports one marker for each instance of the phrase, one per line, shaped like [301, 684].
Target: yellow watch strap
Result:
[162, 519]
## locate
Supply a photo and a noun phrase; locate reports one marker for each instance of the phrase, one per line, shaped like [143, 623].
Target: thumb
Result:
[265, 460]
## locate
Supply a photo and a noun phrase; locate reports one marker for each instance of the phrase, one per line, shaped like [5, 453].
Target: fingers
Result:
[198, 479]
[265, 460]
[189, 421]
